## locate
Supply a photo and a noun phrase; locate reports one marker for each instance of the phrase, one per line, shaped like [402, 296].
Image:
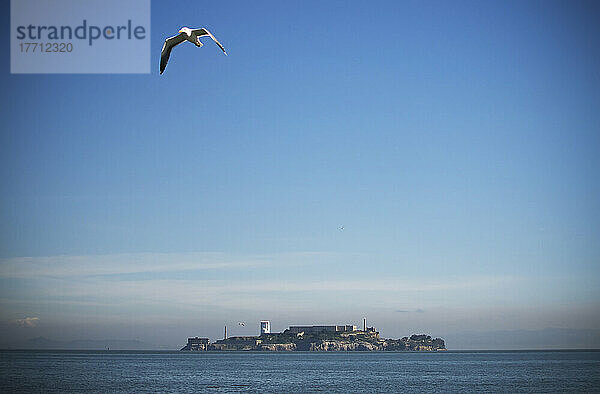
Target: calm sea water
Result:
[89, 371]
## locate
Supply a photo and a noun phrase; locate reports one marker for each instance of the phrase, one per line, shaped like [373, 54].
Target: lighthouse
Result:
[265, 327]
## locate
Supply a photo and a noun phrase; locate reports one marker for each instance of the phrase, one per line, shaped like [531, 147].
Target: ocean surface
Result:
[115, 371]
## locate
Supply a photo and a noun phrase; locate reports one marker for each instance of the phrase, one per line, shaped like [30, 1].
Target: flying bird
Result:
[185, 34]
[241, 323]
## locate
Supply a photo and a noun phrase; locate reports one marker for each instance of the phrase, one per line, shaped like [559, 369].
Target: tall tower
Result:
[265, 327]
[364, 324]
[225, 335]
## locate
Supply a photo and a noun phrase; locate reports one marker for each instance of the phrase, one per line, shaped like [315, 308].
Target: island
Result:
[317, 339]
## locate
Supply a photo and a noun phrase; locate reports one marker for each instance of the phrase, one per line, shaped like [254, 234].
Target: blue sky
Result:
[456, 142]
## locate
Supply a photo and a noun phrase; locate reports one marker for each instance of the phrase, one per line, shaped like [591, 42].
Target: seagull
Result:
[341, 228]
[185, 34]
[241, 323]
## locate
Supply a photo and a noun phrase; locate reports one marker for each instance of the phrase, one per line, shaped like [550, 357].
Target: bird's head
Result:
[186, 30]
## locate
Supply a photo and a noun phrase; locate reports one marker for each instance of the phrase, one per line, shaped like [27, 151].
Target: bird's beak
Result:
[180, 31]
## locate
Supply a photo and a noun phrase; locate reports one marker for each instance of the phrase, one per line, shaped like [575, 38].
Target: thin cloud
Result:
[418, 310]
[234, 293]
[130, 263]
[90, 281]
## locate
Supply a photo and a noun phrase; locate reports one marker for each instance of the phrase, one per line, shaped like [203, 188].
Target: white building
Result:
[265, 327]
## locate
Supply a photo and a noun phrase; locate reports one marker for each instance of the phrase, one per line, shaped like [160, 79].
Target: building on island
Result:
[319, 329]
[197, 344]
[293, 338]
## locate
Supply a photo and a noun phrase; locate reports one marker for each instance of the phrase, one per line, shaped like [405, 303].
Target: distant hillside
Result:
[548, 338]
[84, 344]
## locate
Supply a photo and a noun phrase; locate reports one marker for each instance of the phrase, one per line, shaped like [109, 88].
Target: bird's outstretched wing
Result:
[203, 32]
[166, 49]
